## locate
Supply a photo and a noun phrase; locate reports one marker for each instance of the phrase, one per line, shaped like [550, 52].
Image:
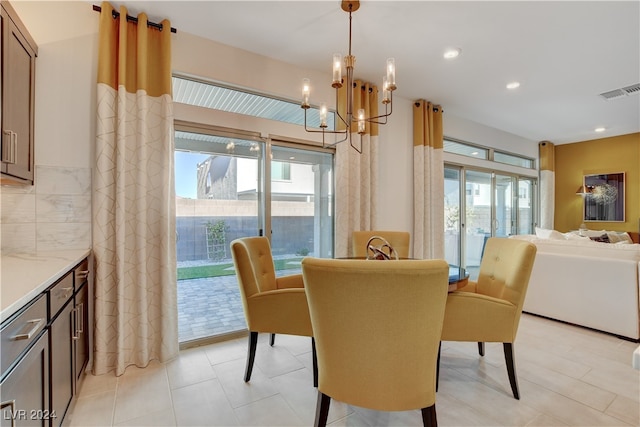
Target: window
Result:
[512, 159]
[280, 171]
[478, 152]
[464, 149]
[220, 97]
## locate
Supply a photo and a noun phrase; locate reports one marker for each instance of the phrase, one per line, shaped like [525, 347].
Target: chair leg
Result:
[438, 366]
[272, 340]
[322, 410]
[251, 355]
[511, 368]
[481, 348]
[429, 418]
[314, 356]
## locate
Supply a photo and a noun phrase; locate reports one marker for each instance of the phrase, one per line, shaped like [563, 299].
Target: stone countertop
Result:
[25, 276]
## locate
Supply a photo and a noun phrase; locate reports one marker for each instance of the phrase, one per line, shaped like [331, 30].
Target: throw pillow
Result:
[542, 233]
[619, 237]
[603, 238]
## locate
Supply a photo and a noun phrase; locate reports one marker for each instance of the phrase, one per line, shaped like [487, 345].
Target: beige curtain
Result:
[134, 196]
[357, 174]
[428, 181]
[546, 152]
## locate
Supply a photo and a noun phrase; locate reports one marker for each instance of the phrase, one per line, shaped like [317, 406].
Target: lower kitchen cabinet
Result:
[62, 374]
[45, 350]
[69, 344]
[81, 336]
[25, 389]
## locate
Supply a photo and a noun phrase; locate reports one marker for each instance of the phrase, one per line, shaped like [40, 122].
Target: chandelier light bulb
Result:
[337, 70]
[323, 115]
[391, 74]
[306, 90]
[361, 125]
[386, 95]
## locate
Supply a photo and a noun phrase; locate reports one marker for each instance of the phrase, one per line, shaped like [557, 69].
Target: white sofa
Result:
[587, 283]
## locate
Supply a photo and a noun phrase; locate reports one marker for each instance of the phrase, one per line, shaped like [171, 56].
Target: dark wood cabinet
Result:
[25, 391]
[24, 388]
[17, 93]
[81, 336]
[68, 307]
[62, 374]
[45, 350]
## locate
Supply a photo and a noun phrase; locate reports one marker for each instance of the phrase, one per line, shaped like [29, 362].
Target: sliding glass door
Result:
[494, 204]
[232, 184]
[478, 218]
[301, 193]
[219, 194]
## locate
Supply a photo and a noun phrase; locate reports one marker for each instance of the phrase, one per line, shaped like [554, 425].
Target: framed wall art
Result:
[604, 197]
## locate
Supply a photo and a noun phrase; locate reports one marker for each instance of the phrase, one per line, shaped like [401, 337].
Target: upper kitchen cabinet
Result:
[17, 91]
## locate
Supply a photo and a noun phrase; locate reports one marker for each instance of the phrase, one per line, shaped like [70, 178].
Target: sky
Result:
[186, 173]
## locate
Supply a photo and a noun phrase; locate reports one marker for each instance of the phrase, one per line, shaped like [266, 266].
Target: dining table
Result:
[458, 276]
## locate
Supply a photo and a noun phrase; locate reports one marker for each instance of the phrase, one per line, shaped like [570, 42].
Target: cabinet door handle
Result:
[10, 150]
[81, 318]
[83, 274]
[74, 320]
[12, 410]
[25, 336]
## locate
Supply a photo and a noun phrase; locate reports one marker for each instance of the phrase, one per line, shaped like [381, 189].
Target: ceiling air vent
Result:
[618, 93]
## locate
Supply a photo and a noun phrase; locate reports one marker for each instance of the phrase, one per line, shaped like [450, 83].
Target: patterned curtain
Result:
[546, 152]
[357, 174]
[428, 181]
[134, 196]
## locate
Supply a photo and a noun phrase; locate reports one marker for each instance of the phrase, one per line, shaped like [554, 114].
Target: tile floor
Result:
[567, 376]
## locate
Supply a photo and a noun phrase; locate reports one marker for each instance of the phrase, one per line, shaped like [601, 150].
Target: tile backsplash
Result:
[53, 214]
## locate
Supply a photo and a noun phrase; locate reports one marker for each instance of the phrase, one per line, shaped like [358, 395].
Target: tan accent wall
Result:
[606, 155]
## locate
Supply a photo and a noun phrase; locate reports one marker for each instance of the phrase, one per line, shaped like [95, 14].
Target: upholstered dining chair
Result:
[399, 240]
[271, 304]
[377, 327]
[489, 309]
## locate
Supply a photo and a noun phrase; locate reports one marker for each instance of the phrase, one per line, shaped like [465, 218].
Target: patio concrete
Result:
[211, 306]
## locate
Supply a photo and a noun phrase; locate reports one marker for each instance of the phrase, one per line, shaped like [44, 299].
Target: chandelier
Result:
[350, 120]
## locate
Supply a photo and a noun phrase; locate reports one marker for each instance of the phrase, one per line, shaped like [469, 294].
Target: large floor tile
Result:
[567, 376]
[191, 367]
[94, 410]
[204, 403]
[140, 394]
[271, 411]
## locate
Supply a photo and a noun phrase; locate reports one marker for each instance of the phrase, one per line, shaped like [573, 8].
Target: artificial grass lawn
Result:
[226, 269]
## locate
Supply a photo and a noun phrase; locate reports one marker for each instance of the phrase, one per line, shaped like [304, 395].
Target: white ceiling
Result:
[563, 53]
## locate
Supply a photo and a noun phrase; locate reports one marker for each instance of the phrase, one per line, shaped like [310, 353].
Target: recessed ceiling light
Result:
[452, 52]
[513, 85]
[600, 129]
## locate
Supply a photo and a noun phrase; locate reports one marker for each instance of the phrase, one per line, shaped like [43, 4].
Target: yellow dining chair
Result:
[271, 304]
[489, 309]
[377, 327]
[399, 240]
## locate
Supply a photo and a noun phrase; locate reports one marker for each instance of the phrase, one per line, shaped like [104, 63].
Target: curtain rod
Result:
[134, 19]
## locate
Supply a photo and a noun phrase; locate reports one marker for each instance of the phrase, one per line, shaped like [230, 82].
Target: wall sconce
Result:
[583, 190]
